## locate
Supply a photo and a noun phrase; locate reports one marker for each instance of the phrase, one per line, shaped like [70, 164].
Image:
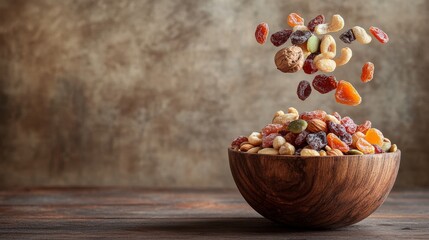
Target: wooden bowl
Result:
[314, 192]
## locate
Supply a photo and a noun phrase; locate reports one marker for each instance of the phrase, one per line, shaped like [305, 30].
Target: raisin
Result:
[317, 140]
[309, 66]
[280, 37]
[367, 72]
[298, 151]
[283, 132]
[348, 36]
[349, 124]
[364, 127]
[238, 141]
[364, 146]
[299, 37]
[347, 138]
[374, 136]
[336, 129]
[271, 128]
[323, 83]
[304, 90]
[318, 114]
[261, 33]
[347, 94]
[290, 137]
[379, 34]
[267, 141]
[336, 143]
[294, 19]
[377, 149]
[300, 139]
[315, 21]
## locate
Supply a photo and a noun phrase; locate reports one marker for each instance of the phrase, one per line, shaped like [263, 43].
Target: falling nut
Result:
[290, 59]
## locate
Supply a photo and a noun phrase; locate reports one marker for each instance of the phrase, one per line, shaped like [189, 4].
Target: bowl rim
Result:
[299, 156]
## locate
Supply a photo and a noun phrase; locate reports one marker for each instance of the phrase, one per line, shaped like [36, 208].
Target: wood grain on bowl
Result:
[314, 192]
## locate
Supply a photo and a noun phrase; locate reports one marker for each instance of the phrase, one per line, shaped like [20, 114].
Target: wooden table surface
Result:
[63, 213]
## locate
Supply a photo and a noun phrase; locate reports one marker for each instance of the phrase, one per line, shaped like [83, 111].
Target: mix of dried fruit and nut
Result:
[314, 133]
[310, 53]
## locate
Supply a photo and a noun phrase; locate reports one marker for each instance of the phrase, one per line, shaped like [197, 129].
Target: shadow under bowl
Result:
[314, 192]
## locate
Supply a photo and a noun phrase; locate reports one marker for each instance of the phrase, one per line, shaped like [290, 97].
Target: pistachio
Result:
[354, 152]
[297, 126]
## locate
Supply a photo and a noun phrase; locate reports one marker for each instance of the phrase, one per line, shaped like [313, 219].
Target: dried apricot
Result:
[364, 146]
[294, 19]
[355, 138]
[336, 143]
[367, 72]
[374, 136]
[347, 94]
[261, 33]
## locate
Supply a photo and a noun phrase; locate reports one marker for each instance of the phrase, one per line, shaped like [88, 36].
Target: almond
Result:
[316, 125]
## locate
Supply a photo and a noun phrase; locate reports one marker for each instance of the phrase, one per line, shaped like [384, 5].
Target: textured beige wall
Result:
[151, 93]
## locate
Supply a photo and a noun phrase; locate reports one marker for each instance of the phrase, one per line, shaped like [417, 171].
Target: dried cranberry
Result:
[309, 66]
[315, 21]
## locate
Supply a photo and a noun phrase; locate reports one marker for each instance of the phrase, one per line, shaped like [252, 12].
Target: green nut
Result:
[354, 152]
[393, 148]
[313, 44]
[386, 144]
[297, 126]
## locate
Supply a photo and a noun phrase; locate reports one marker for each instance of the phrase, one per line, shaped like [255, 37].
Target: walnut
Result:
[290, 59]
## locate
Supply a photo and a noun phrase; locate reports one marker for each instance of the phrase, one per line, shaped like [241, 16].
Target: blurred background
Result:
[151, 93]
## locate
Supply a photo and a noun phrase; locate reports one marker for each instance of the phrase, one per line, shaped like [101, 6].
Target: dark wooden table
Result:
[63, 213]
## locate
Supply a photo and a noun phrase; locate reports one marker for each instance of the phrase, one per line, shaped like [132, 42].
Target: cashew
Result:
[269, 151]
[287, 149]
[337, 23]
[326, 65]
[278, 142]
[361, 35]
[328, 45]
[346, 54]
[293, 110]
[323, 153]
[255, 138]
[328, 55]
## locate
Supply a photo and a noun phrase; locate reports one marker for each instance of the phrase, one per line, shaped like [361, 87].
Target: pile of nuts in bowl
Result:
[314, 133]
